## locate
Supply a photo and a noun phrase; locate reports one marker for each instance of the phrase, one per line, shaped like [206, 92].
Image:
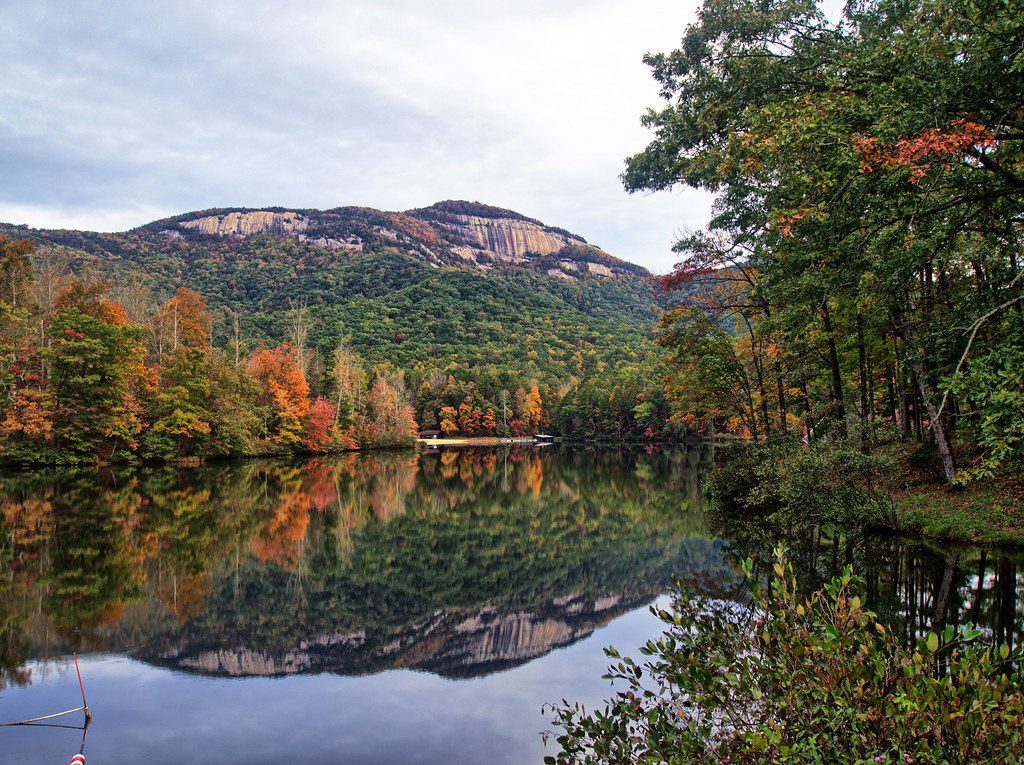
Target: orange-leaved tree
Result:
[284, 391]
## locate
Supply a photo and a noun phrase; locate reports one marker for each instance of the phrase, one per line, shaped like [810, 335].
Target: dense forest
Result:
[861, 280]
[858, 290]
[148, 345]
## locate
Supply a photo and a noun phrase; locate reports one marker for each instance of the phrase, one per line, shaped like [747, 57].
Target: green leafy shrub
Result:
[924, 457]
[797, 679]
[788, 483]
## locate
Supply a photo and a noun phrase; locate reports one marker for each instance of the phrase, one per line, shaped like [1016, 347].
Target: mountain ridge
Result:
[448, 233]
[469, 289]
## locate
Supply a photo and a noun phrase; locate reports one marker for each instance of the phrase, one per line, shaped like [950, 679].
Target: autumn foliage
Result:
[84, 379]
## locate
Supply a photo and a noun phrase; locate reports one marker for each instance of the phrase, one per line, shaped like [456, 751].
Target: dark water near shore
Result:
[384, 608]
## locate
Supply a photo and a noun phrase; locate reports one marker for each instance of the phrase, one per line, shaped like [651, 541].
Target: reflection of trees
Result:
[270, 553]
[273, 555]
[283, 534]
[915, 586]
[93, 562]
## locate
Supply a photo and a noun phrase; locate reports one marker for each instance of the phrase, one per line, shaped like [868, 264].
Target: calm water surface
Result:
[383, 608]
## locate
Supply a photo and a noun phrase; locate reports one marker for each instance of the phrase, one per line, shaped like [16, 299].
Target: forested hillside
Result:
[478, 319]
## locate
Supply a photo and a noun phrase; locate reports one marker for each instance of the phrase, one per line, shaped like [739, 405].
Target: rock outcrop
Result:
[501, 238]
[453, 233]
[243, 224]
[462, 644]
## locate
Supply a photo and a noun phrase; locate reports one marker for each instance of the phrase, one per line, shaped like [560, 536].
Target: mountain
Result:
[447, 233]
[459, 285]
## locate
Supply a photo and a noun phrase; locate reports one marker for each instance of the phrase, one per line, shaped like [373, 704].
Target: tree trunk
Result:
[935, 422]
[862, 357]
[780, 389]
[837, 377]
[809, 414]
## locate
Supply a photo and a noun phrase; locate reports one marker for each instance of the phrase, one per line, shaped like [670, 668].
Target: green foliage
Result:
[866, 164]
[786, 483]
[93, 363]
[797, 679]
[383, 542]
[625, 403]
[505, 329]
[992, 388]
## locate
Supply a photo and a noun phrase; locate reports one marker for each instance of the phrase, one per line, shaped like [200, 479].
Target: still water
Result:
[388, 608]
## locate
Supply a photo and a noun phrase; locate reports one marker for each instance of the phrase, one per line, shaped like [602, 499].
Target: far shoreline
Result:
[474, 441]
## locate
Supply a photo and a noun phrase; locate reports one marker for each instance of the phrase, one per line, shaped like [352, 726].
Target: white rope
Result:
[44, 717]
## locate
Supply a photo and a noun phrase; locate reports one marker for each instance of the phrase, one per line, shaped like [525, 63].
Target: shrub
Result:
[992, 393]
[801, 680]
[820, 484]
[925, 457]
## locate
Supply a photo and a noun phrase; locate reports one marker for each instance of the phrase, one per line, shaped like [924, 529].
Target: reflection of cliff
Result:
[463, 644]
[453, 562]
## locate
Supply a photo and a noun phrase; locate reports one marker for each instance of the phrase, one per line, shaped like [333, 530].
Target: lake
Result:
[380, 608]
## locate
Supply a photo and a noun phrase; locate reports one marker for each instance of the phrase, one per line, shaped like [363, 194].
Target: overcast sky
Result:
[113, 114]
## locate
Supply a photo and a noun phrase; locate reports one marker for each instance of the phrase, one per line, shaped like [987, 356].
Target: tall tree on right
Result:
[871, 169]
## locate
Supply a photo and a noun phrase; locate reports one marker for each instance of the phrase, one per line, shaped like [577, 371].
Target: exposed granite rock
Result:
[449, 233]
[503, 238]
[244, 224]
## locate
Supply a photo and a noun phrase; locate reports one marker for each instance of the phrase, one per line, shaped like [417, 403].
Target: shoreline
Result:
[903, 499]
[473, 441]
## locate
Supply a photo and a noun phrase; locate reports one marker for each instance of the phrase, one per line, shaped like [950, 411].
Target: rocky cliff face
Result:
[501, 238]
[243, 224]
[465, 234]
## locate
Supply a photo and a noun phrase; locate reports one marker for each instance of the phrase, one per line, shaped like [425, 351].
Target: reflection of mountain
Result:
[465, 644]
[458, 563]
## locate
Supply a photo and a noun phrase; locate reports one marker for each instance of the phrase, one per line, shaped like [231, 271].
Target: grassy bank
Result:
[896, 488]
[986, 511]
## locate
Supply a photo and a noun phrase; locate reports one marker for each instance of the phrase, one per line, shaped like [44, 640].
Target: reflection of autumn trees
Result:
[99, 551]
[274, 551]
[281, 538]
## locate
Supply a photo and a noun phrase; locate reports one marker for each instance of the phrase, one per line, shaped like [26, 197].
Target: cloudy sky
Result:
[113, 113]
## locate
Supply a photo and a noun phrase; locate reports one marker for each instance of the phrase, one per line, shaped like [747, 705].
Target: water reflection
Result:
[915, 586]
[460, 563]
[304, 582]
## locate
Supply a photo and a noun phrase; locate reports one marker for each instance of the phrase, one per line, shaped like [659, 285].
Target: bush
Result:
[801, 680]
[992, 393]
[821, 484]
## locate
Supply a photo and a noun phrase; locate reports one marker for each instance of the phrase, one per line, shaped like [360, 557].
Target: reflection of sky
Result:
[147, 715]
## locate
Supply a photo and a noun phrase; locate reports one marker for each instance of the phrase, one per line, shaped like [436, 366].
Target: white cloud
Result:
[119, 112]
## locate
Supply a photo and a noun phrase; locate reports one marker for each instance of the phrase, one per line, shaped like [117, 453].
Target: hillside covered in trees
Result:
[241, 331]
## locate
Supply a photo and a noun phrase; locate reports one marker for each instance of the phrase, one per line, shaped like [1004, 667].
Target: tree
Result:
[467, 418]
[533, 410]
[15, 275]
[284, 391]
[181, 422]
[389, 409]
[449, 420]
[350, 379]
[869, 170]
[488, 422]
[801, 679]
[188, 319]
[320, 426]
[99, 378]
